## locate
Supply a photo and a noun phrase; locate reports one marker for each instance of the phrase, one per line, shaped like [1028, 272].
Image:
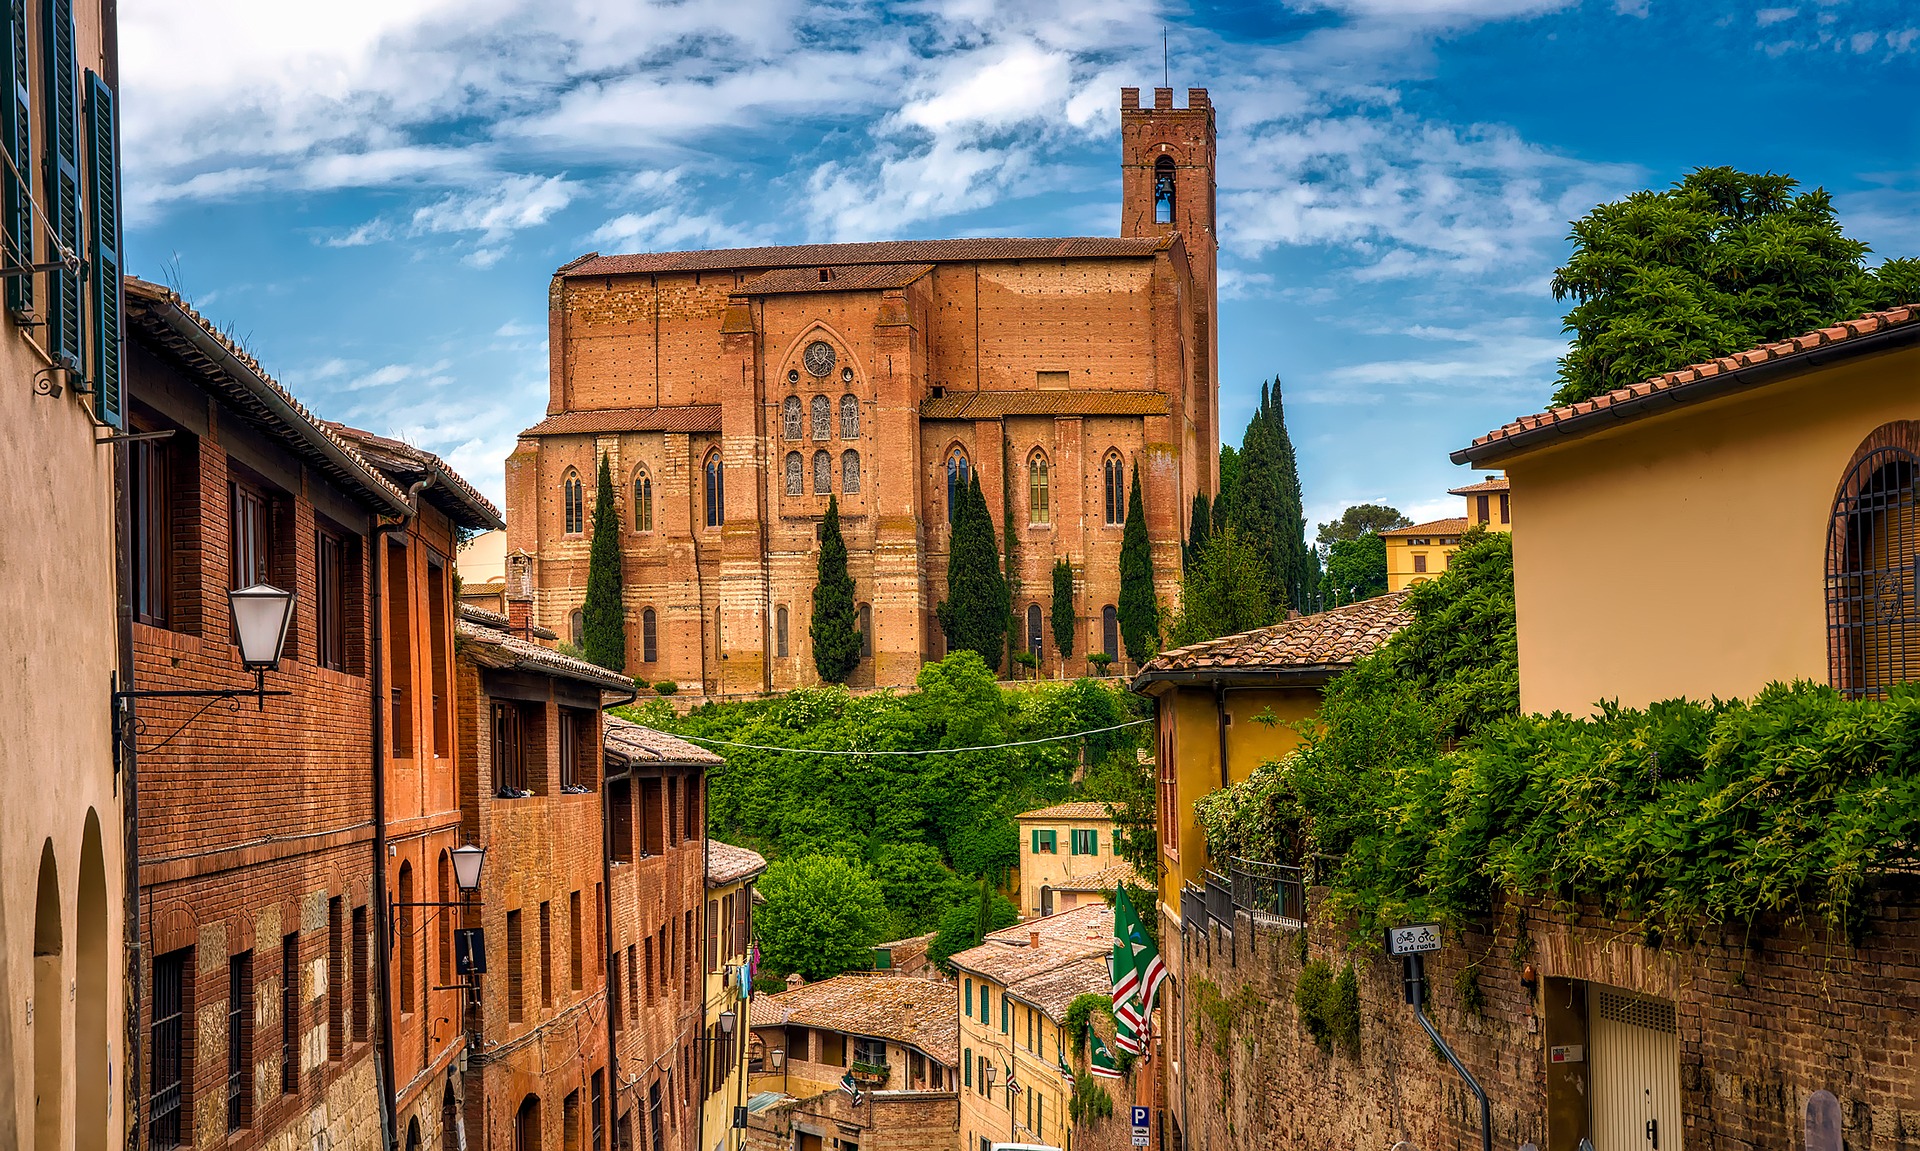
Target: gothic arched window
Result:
[849, 418]
[796, 475]
[780, 631]
[575, 501]
[1110, 631]
[790, 417]
[1114, 474]
[716, 484]
[649, 636]
[1033, 629]
[822, 473]
[1039, 499]
[1163, 190]
[850, 471]
[866, 631]
[1873, 566]
[959, 471]
[642, 501]
[822, 418]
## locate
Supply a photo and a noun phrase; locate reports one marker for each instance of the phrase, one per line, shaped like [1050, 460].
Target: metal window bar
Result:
[1193, 906]
[1873, 575]
[1274, 894]
[163, 1122]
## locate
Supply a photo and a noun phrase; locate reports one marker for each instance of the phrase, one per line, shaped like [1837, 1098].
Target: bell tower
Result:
[1167, 163]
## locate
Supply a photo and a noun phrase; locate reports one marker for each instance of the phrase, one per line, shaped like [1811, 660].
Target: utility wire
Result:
[929, 751]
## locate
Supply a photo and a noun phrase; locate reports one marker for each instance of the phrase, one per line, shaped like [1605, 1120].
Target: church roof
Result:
[817, 256]
[834, 278]
[683, 418]
[1044, 402]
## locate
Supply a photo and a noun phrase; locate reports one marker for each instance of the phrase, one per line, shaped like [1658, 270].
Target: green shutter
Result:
[969, 997]
[882, 959]
[16, 137]
[1036, 841]
[63, 180]
[1093, 842]
[103, 258]
[967, 1062]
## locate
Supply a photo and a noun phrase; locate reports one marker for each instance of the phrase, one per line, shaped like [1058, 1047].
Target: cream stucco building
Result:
[1067, 857]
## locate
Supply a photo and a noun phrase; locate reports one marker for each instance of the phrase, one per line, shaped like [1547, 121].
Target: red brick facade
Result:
[1006, 354]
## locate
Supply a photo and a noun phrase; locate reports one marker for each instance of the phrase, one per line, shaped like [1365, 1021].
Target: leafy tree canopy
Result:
[822, 916]
[1359, 520]
[1227, 591]
[960, 927]
[1718, 263]
[1356, 570]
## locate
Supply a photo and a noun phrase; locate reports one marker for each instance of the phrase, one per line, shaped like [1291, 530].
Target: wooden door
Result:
[1636, 1072]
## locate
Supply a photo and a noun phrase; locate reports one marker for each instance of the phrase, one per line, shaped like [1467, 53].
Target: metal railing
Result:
[1219, 898]
[1274, 894]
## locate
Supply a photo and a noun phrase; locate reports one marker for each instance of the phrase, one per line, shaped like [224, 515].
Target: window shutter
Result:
[103, 208]
[1093, 842]
[63, 182]
[16, 137]
[1036, 841]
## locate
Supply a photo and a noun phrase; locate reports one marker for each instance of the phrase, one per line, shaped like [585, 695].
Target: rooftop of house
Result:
[1081, 809]
[911, 940]
[1784, 359]
[1105, 879]
[1054, 991]
[922, 1013]
[405, 465]
[486, 618]
[494, 647]
[1301, 647]
[636, 743]
[1490, 484]
[813, 257]
[727, 863]
[1451, 526]
[1008, 956]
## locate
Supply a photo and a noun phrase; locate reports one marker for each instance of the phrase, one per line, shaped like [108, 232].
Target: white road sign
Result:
[1413, 939]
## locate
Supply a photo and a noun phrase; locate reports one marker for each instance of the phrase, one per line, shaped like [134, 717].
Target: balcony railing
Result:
[1274, 894]
[1219, 896]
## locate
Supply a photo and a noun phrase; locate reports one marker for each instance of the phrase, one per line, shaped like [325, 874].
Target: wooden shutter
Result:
[63, 180]
[16, 136]
[103, 258]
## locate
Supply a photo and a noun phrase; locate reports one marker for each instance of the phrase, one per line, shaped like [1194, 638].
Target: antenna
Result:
[1166, 59]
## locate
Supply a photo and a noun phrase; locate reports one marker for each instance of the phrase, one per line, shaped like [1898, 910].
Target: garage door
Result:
[1636, 1072]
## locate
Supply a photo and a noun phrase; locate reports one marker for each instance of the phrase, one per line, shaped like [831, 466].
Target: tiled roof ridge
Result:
[1431, 527]
[547, 659]
[1390, 604]
[429, 459]
[1068, 809]
[663, 745]
[1496, 484]
[962, 249]
[1679, 378]
[150, 291]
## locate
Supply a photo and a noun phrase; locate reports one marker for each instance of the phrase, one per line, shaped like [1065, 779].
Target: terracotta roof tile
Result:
[483, 617]
[1496, 484]
[1081, 809]
[687, 418]
[1452, 526]
[839, 278]
[404, 464]
[729, 864]
[923, 1013]
[1332, 638]
[492, 647]
[638, 744]
[1068, 937]
[1054, 991]
[882, 252]
[1105, 879]
[1062, 402]
[1676, 382]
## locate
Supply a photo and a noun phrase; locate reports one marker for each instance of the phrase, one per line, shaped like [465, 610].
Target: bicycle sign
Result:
[1413, 939]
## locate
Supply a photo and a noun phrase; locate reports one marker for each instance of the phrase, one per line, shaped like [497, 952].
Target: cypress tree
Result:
[603, 623]
[1139, 608]
[1299, 565]
[1063, 616]
[836, 636]
[1264, 503]
[1197, 531]
[974, 614]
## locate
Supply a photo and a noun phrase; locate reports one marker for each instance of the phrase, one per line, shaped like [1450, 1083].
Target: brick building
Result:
[656, 885]
[256, 824]
[529, 729]
[66, 1042]
[733, 391]
[414, 574]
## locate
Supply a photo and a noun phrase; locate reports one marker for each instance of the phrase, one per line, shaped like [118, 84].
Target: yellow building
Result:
[1419, 552]
[1014, 992]
[1066, 857]
[730, 874]
[1723, 526]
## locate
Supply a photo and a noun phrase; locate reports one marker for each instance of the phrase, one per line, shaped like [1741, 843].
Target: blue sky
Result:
[372, 194]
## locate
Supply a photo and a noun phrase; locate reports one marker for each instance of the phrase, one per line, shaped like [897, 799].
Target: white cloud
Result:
[515, 203]
[1767, 17]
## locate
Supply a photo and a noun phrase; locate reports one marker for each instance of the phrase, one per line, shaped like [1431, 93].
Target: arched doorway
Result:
[1046, 900]
[526, 1125]
[49, 1020]
[413, 1134]
[91, 975]
[452, 1138]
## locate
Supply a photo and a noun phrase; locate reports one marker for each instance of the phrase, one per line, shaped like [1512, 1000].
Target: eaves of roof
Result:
[491, 647]
[684, 418]
[405, 465]
[877, 252]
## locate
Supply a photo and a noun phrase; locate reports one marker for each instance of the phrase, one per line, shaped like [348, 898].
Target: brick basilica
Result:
[733, 391]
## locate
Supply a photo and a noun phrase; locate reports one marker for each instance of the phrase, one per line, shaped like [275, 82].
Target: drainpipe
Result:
[1220, 708]
[706, 949]
[133, 965]
[605, 910]
[382, 914]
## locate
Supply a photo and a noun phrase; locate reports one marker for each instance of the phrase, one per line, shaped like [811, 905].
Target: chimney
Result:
[520, 617]
[1033, 939]
[795, 980]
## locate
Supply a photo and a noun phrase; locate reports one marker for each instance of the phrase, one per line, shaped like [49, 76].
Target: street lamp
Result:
[466, 867]
[261, 613]
[727, 1019]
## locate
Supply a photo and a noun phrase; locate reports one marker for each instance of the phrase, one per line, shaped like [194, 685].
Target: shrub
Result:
[1099, 660]
[1310, 996]
[665, 687]
[1079, 1018]
[1090, 1100]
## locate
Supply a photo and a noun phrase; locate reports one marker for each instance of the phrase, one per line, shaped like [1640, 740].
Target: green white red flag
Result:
[1137, 973]
[1102, 1062]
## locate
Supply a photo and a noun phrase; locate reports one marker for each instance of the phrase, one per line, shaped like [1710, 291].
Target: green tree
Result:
[822, 916]
[1356, 570]
[603, 624]
[1721, 261]
[967, 924]
[1229, 476]
[975, 613]
[1139, 606]
[1062, 617]
[1126, 785]
[1228, 591]
[835, 631]
[1199, 529]
[1359, 520]
[1265, 503]
[918, 885]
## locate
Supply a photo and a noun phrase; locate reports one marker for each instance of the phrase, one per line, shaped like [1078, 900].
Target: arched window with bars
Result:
[850, 472]
[1114, 480]
[1039, 498]
[822, 473]
[822, 418]
[575, 501]
[642, 501]
[959, 472]
[1873, 566]
[849, 417]
[716, 489]
[796, 475]
[790, 418]
[649, 636]
[1033, 630]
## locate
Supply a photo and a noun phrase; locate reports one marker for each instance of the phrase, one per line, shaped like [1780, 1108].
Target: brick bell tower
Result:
[1167, 163]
